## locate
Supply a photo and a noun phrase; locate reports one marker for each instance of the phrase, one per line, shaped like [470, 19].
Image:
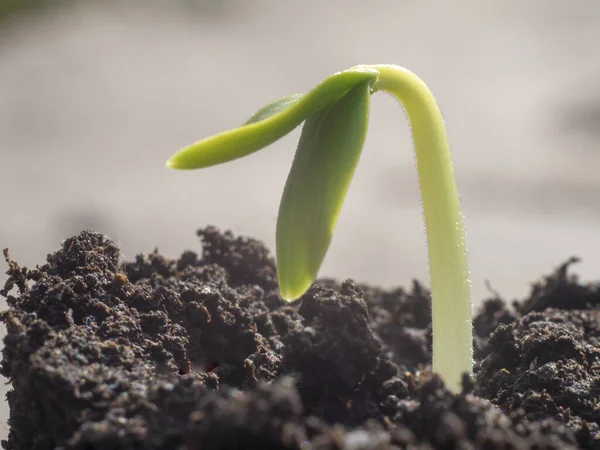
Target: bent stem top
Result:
[336, 113]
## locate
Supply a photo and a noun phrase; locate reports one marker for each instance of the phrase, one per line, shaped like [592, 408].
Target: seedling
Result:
[335, 115]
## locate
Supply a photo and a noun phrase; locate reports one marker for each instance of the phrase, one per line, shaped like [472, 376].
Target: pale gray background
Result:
[95, 96]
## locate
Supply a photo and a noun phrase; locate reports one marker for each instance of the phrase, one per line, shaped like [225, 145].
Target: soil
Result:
[201, 352]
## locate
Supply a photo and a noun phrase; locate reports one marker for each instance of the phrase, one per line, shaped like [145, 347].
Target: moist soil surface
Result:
[201, 352]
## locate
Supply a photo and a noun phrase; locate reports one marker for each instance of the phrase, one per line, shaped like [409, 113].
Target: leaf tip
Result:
[292, 289]
[177, 162]
[289, 295]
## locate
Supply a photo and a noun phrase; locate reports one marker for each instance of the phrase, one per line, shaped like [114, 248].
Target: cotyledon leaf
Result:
[273, 108]
[271, 122]
[328, 152]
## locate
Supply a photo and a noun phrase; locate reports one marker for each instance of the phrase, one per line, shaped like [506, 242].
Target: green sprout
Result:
[335, 115]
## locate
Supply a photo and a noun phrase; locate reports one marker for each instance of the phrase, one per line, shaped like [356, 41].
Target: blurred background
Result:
[96, 95]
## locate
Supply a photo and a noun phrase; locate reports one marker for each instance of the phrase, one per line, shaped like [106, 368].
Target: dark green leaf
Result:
[327, 154]
[273, 108]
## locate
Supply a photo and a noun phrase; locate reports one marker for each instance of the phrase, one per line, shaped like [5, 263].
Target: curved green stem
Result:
[450, 290]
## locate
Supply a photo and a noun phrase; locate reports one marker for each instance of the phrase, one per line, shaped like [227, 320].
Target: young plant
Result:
[335, 115]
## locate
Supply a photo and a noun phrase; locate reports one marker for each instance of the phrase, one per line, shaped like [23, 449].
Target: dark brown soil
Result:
[202, 353]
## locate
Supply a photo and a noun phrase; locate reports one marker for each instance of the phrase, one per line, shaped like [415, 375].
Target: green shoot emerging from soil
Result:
[335, 115]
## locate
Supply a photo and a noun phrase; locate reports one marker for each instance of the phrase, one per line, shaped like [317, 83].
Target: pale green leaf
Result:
[270, 123]
[327, 155]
